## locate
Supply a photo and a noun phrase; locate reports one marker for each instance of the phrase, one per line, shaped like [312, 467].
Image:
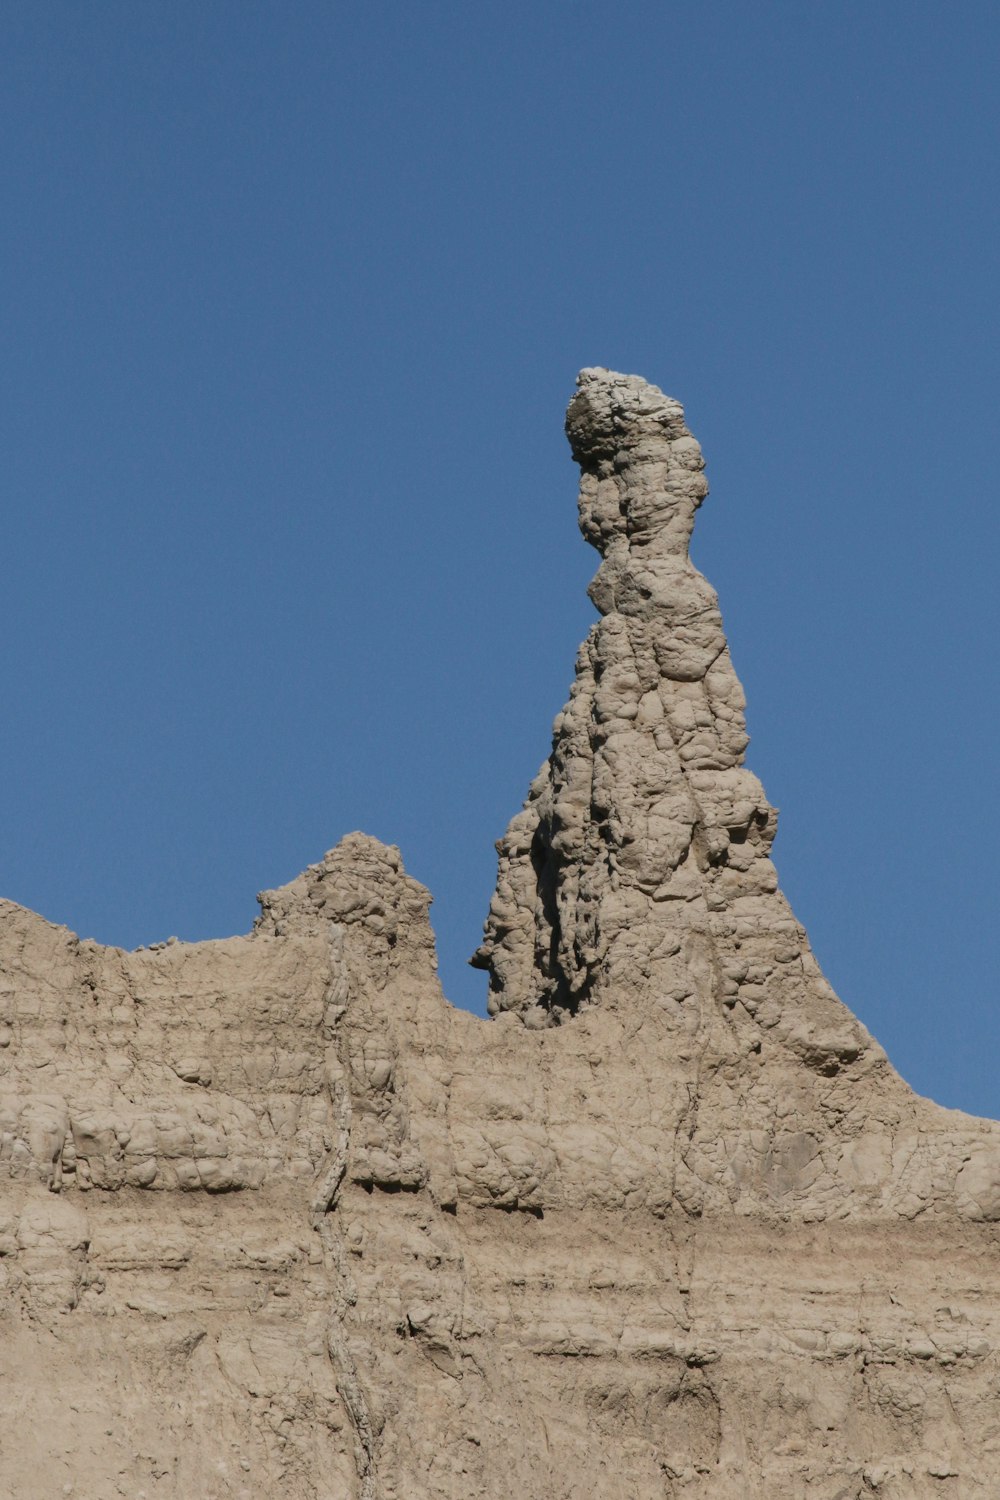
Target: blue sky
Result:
[293, 301]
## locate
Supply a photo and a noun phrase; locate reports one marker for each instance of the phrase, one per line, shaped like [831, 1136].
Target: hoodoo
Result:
[644, 839]
[277, 1220]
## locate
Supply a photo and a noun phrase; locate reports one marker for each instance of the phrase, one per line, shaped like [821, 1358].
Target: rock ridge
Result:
[276, 1219]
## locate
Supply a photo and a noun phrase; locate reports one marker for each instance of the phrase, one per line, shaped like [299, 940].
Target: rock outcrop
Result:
[277, 1220]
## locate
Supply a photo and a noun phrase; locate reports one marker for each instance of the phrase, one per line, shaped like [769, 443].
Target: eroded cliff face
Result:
[277, 1220]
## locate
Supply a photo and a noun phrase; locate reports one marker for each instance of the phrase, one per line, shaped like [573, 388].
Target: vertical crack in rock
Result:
[324, 1202]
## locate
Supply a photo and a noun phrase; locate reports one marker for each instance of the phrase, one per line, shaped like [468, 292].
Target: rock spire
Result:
[640, 859]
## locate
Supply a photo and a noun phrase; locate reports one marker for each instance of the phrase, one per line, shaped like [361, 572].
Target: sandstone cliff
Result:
[277, 1220]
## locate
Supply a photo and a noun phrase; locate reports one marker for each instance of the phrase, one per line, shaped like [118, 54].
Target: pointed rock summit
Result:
[639, 868]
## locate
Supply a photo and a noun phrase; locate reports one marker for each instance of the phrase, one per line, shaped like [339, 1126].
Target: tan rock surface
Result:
[277, 1220]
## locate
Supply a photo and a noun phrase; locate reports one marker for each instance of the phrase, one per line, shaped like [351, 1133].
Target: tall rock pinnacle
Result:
[639, 864]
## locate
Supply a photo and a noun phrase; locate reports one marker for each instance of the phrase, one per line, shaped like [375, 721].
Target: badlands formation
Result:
[276, 1220]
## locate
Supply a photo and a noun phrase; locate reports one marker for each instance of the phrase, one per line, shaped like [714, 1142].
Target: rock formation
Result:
[277, 1220]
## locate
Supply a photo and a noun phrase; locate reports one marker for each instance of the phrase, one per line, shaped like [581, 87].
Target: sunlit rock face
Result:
[277, 1220]
[643, 828]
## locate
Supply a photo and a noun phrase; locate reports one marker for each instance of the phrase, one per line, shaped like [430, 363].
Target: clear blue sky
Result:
[293, 300]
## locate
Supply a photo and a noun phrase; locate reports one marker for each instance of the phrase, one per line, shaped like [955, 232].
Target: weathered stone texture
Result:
[277, 1220]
